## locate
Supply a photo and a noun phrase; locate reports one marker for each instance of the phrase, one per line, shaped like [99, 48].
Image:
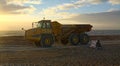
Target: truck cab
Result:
[40, 33]
[45, 24]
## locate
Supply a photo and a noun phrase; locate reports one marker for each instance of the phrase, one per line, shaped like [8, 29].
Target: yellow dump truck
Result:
[45, 32]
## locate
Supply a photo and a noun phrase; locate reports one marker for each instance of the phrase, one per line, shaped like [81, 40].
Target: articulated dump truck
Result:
[45, 33]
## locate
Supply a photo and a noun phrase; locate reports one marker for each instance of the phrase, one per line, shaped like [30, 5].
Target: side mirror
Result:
[23, 29]
[32, 25]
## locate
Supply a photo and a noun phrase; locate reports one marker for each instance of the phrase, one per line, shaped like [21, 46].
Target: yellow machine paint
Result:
[34, 34]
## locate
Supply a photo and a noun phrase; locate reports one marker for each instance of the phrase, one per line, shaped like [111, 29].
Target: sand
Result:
[17, 51]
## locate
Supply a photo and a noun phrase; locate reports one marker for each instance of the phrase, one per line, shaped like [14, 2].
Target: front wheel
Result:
[47, 41]
[84, 38]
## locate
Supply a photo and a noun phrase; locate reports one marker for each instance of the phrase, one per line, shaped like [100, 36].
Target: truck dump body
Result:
[80, 27]
[65, 28]
[75, 28]
[63, 31]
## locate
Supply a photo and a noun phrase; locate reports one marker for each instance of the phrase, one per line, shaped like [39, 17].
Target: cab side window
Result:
[39, 25]
[43, 25]
[48, 25]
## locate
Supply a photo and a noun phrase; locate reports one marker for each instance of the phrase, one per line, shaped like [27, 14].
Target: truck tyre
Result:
[74, 39]
[84, 39]
[47, 41]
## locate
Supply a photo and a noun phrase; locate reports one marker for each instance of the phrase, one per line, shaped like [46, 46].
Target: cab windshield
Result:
[42, 25]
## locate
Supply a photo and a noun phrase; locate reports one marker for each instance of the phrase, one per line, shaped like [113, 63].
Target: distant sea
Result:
[11, 33]
[93, 32]
[104, 32]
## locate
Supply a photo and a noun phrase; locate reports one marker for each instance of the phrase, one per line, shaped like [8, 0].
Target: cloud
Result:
[114, 2]
[29, 10]
[105, 20]
[76, 4]
[96, 1]
[55, 14]
[113, 9]
[79, 3]
[57, 11]
[22, 2]
[67, 6]
[17, 6]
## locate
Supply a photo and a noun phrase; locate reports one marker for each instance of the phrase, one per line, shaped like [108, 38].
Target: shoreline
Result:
[105, 37]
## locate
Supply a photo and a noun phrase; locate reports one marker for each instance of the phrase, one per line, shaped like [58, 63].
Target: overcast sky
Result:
[102, 14]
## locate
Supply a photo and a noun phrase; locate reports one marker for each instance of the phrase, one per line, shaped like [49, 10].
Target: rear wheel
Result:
[84, 38]
[47, 41]
[74, 39]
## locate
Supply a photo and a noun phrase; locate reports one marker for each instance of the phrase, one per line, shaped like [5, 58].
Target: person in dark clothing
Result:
[98, 45]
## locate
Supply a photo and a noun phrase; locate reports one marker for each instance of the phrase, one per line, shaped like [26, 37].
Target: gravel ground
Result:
[15, 51]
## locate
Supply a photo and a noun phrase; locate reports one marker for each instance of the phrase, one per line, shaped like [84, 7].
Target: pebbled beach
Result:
[15, 50]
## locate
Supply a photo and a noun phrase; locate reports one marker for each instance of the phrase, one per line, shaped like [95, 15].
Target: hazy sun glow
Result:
[15, 22]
